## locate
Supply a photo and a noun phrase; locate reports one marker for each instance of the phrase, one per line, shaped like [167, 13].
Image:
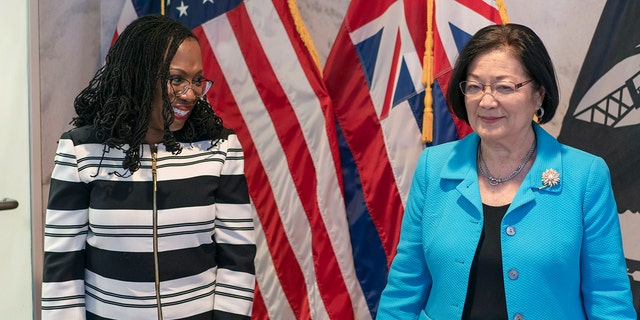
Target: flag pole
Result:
[427, 78]
[162, 7]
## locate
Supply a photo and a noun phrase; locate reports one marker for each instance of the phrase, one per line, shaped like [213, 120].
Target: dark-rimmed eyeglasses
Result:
[498, 88]
[181, 86]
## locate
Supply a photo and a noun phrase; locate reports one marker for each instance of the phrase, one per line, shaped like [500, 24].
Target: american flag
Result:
[270, 91]
[317, 258]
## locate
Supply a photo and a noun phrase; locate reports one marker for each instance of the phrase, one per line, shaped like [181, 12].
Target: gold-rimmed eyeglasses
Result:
[181, 86]
[498, 88]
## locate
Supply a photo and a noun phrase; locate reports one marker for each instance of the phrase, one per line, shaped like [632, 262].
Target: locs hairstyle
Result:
[525, 45]
[118, 100]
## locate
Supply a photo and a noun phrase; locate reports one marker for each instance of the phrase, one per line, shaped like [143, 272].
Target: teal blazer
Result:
[561, 246]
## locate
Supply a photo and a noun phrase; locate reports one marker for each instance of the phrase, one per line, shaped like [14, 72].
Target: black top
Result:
[485, 296]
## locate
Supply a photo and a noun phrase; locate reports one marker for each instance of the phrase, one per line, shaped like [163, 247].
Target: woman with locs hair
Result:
[149, 215]
[508, 223]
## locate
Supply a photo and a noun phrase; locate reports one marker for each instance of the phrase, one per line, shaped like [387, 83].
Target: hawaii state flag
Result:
[374, 77]
[268, 88]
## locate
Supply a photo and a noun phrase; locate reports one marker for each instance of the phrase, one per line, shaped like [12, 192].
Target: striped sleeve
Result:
[65, 234]
[234, 238]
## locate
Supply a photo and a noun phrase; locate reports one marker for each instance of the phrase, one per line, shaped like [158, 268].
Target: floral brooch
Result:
[550, 178]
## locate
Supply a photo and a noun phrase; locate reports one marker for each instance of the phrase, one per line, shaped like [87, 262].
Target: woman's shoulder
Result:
[229, 137]
[577, 157]
[226, 133]
[549, 146]
[83, 135]
[463, 147]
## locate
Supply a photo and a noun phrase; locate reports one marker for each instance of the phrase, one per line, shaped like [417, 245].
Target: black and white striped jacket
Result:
[99, 236]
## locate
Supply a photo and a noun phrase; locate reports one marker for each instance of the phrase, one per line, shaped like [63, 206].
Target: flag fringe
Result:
[304, 34]
[427, 78]
[502, 9]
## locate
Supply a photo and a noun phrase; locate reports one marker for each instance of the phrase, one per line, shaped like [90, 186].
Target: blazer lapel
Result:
[461, 166]
[548, 156]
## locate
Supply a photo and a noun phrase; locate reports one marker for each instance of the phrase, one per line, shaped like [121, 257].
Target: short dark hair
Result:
[526, 47]
[118, 101]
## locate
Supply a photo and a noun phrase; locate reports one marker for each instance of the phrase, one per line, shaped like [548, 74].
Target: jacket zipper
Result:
[154, 173]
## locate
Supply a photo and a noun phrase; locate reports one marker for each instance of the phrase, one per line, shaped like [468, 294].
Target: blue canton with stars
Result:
[190, 13]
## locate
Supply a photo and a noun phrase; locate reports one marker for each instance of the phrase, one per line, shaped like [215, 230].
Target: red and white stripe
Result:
[268, 89]
[127, 15]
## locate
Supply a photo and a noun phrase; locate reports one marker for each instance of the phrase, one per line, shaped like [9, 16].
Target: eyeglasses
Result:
[500, 88]
[181, 86]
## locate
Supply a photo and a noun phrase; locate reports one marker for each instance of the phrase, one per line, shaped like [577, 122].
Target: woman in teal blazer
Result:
[508, 223]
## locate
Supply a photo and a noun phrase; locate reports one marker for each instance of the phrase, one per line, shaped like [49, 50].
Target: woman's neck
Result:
[154, 136]
[507, 151]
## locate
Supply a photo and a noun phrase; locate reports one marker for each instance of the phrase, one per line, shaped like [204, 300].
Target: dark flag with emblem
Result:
[603, 116]
[604, 111]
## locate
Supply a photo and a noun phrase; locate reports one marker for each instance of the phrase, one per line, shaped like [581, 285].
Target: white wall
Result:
[15, 225]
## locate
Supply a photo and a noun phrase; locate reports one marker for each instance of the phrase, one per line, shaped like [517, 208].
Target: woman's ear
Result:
[540, 97]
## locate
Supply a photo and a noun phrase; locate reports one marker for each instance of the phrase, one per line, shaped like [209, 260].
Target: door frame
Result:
[37, 208]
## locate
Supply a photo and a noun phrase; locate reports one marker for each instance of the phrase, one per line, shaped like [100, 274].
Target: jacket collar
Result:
[461, 165]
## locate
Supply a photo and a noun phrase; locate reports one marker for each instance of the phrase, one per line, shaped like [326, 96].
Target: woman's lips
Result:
[181, 114]
[490, 119]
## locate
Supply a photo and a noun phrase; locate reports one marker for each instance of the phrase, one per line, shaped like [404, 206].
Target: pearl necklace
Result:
[484, 169]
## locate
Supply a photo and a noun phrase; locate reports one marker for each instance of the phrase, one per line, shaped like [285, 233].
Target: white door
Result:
[16, 300]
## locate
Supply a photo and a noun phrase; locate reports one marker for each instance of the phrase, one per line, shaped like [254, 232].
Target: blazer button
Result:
[512, 274]
[511, 230]
[518, 316]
